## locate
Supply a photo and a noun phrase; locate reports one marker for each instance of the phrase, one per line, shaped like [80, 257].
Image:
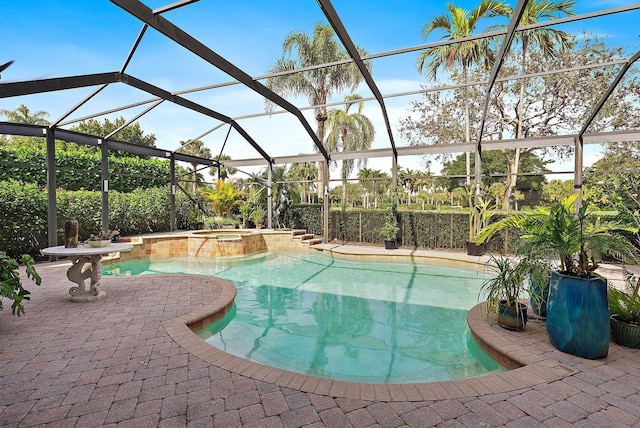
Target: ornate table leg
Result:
[78, 274]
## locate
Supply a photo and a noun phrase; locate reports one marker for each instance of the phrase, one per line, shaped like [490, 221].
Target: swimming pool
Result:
[306, 312]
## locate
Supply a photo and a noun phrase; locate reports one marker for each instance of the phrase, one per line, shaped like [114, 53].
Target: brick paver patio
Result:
[114, 363]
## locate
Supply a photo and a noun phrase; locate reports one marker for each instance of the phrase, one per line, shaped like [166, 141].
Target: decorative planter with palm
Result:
[503, 290]
[625, 312]
[577, 308]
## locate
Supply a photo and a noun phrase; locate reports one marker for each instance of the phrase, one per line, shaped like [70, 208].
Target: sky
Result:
[54, 39]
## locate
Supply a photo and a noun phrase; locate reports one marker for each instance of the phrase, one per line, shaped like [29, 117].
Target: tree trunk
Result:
[467, 132]
[195, 178]
[509, 185]
[512, 180]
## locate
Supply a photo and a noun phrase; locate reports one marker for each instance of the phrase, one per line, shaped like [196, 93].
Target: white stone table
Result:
[80, 256]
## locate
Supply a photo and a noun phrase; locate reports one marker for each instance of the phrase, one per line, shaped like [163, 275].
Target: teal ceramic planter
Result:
[578, 316]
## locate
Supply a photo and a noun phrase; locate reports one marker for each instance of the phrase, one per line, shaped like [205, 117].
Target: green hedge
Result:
[418, 229]
[23, 208]
[78, 170]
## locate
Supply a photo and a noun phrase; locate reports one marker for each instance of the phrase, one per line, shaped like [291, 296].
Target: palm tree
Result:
[306, 172]
[319, 84]
[349, 132]
[374, 182]
[195, 148]
[460, 23]
[222, 172]
[549, 41]
[23, 115]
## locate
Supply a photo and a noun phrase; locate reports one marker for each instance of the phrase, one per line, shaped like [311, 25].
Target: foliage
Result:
[23, 210]
[505, 283]
[223, 198]
[23, 115]
[318, 85]
[557, 190]
[10, 285]
[195, 148]
[555, 104]
[131, 133]
[221, 172]
[389, 231]
[494, 170]
[257, 215]
[479, 218]
[349, 132]
[626, 302]
[218, 222]
[576, 238]
[81, 170]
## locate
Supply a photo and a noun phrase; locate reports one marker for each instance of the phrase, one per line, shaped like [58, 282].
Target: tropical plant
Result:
[23, 115]
[10, 285]
[625, 302]
[220, 171]
[316, 84]
[389, 231]
[306, 173]
[479, 218]
[195, 148]
[218, 222]
[460, 23]
[506, 282]
[503, 288]
[257, 215]
[575, 236]
[349, 132]
[224, 197]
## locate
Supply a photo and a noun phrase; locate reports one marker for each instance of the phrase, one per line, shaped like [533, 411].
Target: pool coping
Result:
[527, 368]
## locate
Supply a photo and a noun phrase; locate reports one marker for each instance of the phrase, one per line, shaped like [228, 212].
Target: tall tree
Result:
[375, 183]
[349, 132]
[458, 24]
[23, 115]
[549, 41]
[222, 172]
[195, 148]
[318, 84]
[132, 133]
[556, 103]
[306, 173]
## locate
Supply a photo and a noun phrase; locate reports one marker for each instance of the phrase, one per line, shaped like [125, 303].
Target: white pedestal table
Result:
[83, 255]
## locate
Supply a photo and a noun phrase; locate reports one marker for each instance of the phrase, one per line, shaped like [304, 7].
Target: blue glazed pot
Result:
[578, 316]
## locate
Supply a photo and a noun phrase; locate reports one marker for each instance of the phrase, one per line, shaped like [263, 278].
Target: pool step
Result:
[312, 241]
[306, 238]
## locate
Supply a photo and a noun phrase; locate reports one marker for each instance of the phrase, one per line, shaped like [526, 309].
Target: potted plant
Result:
[577, 308]
[245, 214]
[389, 233]
[503, 289]
[10, 285]
[479, 218]
[625, 312]
[257, 216]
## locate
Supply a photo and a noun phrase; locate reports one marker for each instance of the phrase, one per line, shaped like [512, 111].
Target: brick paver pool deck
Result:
[130, 361]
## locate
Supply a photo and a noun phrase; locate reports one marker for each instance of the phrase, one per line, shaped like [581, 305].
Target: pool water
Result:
[393, 322]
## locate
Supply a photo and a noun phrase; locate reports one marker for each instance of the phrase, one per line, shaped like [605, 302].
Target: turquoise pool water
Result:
[394, 322]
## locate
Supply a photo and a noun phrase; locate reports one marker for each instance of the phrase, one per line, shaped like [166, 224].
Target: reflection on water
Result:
[378, 323]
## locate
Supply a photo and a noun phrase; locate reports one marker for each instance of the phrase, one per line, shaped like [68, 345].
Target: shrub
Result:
[10, 285]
